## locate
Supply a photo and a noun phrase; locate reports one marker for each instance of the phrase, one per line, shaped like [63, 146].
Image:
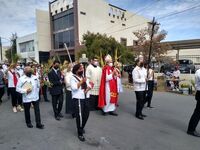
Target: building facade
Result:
[71, 19]
[185, 49]
[36, 45]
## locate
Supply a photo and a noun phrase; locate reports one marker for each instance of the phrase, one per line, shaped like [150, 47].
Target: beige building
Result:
[4, 49]
[185, 49]
[70, 19]
[36, 45]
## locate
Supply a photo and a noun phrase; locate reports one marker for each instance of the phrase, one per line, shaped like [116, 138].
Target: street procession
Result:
[99, 75]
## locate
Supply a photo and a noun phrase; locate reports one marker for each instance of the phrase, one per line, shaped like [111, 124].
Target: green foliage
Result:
[98, 45]
[12, 51]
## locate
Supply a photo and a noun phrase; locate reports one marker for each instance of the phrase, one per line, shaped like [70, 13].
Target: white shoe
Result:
[19, 108]
[14, 109]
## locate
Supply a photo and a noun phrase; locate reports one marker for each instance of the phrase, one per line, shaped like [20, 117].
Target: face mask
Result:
[96, 63]
[56, 67]
[80, 73]
[110, 64]
[28, 74]
[141, 64]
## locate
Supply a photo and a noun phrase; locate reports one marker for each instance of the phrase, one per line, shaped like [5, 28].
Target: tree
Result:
[98, 45]
[142, 43]
[11, 53]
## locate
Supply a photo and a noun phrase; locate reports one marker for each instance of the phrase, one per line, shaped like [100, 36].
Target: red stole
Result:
[14, 78]
[102, 90]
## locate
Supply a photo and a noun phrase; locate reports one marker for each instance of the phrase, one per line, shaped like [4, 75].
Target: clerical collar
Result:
[94, 66]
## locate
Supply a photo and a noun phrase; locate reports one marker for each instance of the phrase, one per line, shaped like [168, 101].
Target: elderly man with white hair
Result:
[29, 86]
[108, 92]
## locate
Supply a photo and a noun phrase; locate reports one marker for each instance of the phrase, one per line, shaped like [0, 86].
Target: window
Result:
[62, 22]
[112, 21]
[135, 43]
[56, 12]
[67, 6]
[83, 13]
[64, 37]
[27, 46]
[124, 41]
[61, 9]
[123, 24]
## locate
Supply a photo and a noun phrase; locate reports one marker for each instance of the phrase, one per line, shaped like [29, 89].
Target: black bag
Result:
[197, 96]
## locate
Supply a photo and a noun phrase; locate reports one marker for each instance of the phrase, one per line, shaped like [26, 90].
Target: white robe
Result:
[109, 106]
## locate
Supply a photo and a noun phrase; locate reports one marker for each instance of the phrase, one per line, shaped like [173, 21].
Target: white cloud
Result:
[19, 16]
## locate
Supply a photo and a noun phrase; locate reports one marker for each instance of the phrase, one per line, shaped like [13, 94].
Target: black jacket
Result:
[55, 79]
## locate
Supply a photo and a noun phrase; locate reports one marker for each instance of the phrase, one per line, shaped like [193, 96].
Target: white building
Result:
[36, 45]
[185, 49]
[70, 19]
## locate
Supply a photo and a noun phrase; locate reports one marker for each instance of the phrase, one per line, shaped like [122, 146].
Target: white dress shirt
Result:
[10, 78]
[34, 94]
[68, 76]
[197, 80]
[78, 93]
[176, 73]
[139, 78]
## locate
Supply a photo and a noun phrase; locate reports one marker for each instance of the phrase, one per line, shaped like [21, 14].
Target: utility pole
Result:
[152, 24]
[1, 49]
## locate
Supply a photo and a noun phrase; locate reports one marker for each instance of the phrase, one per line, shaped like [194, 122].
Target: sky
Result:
[19, 16]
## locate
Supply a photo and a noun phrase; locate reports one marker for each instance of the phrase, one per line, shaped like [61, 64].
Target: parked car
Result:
[165, 68]
[186, 66]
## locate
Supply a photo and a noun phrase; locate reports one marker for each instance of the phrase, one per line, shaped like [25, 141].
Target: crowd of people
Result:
[86, 88]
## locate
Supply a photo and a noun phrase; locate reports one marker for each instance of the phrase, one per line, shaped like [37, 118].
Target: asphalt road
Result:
[163, 129]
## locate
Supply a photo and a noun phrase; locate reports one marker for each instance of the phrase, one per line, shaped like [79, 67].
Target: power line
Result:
[162, 17]
[175, 13]
[147, 6]
[128, 27]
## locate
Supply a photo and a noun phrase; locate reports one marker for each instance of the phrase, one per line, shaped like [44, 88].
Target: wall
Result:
[97, 19]
[27, 38]
[192, 54]
[43, 31]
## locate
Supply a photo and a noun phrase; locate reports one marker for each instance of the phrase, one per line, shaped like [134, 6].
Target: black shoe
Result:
[57, 118]
[29, 125]
[194, 133]
[73, 115]
[139, 117]
[104, 113]
[40, 126]
[60, 115]
[143, 115]
[113, 113]
[150, 107]
[81, 138]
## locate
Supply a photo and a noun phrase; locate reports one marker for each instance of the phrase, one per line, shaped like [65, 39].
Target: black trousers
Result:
[36, 110]
[69, 103]
[44, 93]
[149, 94]
[1, 93]
[194, 120]
[93, 102]
[82, 112]
[140, 98]
[57, 103]
[15, 96]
